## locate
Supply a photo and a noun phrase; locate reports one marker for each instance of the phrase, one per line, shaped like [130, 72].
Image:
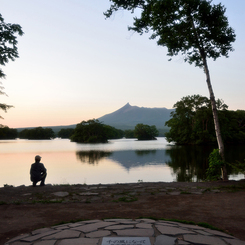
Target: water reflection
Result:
[127, 159]
[92, 157]
[189, 163]
[145, 152]
[120, 161]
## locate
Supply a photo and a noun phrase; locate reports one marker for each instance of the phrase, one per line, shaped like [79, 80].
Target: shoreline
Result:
[87, 193]
[26, 208]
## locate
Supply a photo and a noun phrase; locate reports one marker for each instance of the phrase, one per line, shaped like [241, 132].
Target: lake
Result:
[119, 161]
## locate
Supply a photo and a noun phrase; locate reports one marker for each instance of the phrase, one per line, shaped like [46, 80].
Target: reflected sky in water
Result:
[119, 161]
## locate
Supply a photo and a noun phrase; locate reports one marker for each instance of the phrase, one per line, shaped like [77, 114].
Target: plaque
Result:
[125, 241]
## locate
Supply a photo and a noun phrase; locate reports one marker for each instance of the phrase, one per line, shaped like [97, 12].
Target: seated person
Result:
[38, 172]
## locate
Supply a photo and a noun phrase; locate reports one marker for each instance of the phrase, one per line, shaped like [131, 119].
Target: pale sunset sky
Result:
[75, 65]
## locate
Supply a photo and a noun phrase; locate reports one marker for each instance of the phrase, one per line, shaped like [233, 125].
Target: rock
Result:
[61, 193]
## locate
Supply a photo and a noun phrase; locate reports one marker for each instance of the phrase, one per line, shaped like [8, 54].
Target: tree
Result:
[113, 133]
[66, 133]
[194, 28]
[38, 133]
[8, 49]
[191, 122]
[145, 132]
[129, 133]
[8, 133]
[91, 131]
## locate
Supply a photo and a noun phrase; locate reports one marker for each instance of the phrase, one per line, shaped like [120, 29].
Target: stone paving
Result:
[125, 232]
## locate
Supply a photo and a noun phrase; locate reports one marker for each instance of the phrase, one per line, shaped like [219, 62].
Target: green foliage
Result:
[8, 42]
[91, 131]
[8, 133]
[238, 167]
[94, 131]
[215, 165]
[8, 49]
[65, 133]
[38, 133]
[145, 132]
[129, 134]
[196, 29]
[192, 121]
[233, 126]
[113, 133]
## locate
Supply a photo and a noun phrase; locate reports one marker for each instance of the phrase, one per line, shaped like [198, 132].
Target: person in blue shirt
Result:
[38, 172]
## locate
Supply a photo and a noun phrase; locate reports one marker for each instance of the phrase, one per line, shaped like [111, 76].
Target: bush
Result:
[215, 165]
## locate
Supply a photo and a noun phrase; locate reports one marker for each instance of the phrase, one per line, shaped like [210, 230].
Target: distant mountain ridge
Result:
[129, 116]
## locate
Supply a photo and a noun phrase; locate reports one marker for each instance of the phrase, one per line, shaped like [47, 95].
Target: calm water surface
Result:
[119, 161]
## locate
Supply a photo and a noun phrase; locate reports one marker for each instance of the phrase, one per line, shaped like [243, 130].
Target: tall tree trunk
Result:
[216, 120]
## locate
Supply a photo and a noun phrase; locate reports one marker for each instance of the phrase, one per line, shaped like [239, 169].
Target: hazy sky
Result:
[74, 65]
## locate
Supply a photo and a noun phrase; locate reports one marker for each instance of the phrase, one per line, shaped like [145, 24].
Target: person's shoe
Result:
[42, 184]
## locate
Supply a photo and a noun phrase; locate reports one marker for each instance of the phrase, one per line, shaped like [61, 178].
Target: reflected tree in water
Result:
[145, 152]
[92, 157]
[189, 163]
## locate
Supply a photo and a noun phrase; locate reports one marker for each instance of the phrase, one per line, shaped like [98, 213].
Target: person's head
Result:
[37, 158]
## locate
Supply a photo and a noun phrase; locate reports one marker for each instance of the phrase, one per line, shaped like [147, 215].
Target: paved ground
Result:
[25, 210]
[123, 232]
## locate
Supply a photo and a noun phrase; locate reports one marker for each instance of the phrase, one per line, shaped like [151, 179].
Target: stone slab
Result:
[195, 227]
[151, 221]
[207, 240]
[79, 241]
[125, 240]
[168, 230]
[180, 242]
[20, 243]
[166, 240]
[234, 241]
[38, 236]
[94, 226]
[98, 234]
[119, 227]
[42, 230]
[117, 220]
[219, 233]
[135, 232]
[63, 234]
[50, 242]
[174, 193]
[18, 238]
[61, 193]
[144, 226]
[88, 194]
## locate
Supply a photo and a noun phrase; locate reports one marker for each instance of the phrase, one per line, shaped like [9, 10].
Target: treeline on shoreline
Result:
[91, 131]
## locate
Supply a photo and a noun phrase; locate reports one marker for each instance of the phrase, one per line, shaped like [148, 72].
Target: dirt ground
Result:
[220, 204]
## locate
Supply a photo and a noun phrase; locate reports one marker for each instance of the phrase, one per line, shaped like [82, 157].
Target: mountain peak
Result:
[125, 108]
[127, 117]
